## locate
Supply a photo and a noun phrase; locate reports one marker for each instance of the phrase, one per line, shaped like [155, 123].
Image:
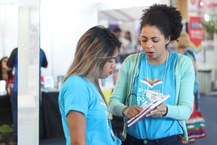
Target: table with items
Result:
[50, 118]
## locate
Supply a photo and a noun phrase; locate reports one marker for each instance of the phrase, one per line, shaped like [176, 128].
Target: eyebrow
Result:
[151, 37]
[113, 57]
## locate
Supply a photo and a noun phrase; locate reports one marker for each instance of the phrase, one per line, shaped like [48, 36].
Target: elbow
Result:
[189, 114]
[77, 142]
[188, 111]
[116, 108]
[181, 112]
[111, 106]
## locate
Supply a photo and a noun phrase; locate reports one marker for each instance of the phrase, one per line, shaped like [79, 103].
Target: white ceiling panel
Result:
[127, 14]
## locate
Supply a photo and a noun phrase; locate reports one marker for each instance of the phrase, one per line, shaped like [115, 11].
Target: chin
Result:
[103, 76]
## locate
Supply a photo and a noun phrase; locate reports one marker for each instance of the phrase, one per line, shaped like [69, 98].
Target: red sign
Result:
[196, 31]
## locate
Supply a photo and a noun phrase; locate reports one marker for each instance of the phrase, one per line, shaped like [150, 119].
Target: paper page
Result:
[156, 99]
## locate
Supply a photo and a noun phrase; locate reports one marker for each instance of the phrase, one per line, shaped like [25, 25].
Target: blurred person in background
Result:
[183, 47]
[117, 32]
[13, 63]
[128, 46]
[6, 76]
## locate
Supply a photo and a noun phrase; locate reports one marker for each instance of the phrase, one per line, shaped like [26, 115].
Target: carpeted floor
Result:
[54, 141]
[208, 109]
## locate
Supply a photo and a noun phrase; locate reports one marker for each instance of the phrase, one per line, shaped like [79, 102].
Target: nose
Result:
[114, 64]
[149, 44]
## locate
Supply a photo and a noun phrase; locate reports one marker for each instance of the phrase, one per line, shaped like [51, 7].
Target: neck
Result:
[91, 79]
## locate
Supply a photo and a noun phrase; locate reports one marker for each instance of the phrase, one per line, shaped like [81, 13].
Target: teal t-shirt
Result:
[161, 79]
[81, 95]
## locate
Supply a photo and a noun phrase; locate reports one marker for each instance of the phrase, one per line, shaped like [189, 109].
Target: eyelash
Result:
[155, 41]
[111, 60]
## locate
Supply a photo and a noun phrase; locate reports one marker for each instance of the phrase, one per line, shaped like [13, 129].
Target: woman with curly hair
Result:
[160, 72]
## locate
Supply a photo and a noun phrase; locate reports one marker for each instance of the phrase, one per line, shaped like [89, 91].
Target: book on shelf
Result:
[154, 100]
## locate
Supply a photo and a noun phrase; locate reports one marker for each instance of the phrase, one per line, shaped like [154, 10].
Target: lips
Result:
[110, 72]
[150, 53]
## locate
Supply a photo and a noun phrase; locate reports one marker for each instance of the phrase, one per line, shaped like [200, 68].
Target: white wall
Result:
[62, 24]
[8, 28]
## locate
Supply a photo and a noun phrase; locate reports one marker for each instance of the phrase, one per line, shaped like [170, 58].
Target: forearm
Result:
[116, 107]
[179, 112]
[116, 102]
[183, 106]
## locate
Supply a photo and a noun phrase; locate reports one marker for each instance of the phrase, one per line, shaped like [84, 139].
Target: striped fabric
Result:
[196, 126]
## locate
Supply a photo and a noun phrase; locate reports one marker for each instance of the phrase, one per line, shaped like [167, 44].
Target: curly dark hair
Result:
[167, 18]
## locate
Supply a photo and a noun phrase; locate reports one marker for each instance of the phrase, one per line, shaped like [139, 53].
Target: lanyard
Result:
[104, 104]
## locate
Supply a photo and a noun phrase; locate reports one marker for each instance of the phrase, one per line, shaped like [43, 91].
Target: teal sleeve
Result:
[123, 86]
[184, 91]
[116, 105]
[74, 98]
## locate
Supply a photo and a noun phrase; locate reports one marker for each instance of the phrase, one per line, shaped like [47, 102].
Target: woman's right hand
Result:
[131, 111]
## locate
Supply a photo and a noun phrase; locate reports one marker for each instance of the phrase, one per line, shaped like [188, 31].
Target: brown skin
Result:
[77, 127]
[132, 111]
[154, 44]
[160, 111]
[76, 120]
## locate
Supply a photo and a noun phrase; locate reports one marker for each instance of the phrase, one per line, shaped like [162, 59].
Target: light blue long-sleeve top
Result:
[184, 73]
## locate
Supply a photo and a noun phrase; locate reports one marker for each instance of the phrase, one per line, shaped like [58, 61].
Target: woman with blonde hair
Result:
[183, 42]
[183, 47]
[85, 116]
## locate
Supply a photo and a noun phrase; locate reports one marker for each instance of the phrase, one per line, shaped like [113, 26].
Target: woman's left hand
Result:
[160, 111]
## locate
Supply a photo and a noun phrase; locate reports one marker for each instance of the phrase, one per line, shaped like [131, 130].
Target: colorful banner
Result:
[195, 5]
[196, 31]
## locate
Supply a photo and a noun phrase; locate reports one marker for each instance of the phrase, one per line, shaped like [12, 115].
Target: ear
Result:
[168, 40]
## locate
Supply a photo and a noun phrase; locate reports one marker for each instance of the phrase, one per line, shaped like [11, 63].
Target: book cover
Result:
[154, 100]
